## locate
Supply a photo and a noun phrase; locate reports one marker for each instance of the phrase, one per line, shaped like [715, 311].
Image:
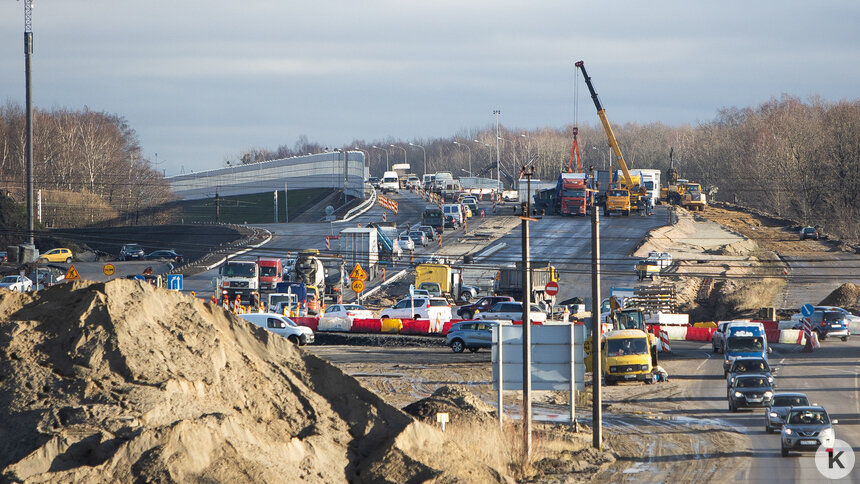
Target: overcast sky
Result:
[203, 80]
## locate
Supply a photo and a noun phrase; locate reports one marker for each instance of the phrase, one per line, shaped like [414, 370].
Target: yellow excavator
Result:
[627, 186]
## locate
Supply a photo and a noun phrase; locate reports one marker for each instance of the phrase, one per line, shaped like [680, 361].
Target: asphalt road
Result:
[830, 377]
[811, 280]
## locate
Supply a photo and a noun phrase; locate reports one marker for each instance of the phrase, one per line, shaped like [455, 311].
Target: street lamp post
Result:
[470, 156]
[530, 146]
[604, 157]
[387, 164]
[405, 157]
[425, 156]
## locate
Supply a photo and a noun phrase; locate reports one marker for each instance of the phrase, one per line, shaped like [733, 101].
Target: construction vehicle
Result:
[238, 278]
[509, 281]
[637, 198]
[620, 320]
[309, 269]
[693, 199]
[449, 282]
[571, 194]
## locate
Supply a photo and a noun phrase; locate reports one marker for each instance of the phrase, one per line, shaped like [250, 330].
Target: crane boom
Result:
[613, 143]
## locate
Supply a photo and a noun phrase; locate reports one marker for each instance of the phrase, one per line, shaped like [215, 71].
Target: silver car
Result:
[807, 429]
[472, 334]
[775, 415]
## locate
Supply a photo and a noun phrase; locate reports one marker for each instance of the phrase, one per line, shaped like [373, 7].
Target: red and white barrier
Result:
[664, 342]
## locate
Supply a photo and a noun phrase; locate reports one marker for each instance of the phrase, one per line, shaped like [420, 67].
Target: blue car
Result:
[827, 324]
[472, 335]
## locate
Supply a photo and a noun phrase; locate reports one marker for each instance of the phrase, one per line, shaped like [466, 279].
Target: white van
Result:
[282, 325]
[390, 182]
[455, 210]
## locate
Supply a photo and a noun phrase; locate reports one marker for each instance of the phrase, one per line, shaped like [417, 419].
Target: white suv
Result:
[512, 311]
[433, 308]
[282, 325]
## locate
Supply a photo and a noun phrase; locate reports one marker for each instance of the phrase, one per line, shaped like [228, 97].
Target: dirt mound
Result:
[124, 382]
[460, 404]
[847, 295]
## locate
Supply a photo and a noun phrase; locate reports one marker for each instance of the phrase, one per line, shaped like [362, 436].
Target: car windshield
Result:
[809, 230]
[438, 302]
[8, 279]
[808, 417]
[751, 382]
[574, 193]
[742, 366]
[789, 401]
[239, 270]
[353, 307]
[268, 271]
[745, 343]
[132, 247]
[617, 193]
[626, 346]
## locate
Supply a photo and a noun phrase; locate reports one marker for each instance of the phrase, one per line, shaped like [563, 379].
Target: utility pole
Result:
[497, 112]
[217, 208]
[596, 373]
[527, 171]
[28, 74]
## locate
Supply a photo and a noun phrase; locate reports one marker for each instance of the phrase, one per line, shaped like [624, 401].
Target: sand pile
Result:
[123, 381]
[460, 405]
[847, 296]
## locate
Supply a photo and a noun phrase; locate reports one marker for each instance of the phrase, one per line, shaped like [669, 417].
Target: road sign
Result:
[72, 274]
[807, 310]
[551, 288]
[109, 269]
[358, 273]
[174, 281]
[357, 285]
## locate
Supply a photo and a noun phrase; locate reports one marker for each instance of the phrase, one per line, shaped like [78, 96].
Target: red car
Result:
[483, 304]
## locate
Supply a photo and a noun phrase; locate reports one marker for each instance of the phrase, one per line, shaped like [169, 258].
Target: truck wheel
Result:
[384, 316]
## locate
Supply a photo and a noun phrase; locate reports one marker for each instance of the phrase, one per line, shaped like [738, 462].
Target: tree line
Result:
[88, 165]
[787, 157]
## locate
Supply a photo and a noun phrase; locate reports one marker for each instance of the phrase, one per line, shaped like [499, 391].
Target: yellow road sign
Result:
[358, 273]
[358, 285]
[72, 274]
[109, 269]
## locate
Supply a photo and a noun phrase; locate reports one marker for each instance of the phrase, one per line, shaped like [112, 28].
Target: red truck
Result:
[271, 273]
[571, 194]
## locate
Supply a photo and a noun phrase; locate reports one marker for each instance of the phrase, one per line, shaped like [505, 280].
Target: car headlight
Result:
[738, 394]
[773, 414]
[727, 362]
[787, 431]
[768, 394]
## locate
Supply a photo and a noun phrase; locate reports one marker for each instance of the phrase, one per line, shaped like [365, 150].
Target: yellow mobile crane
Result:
[627, 195]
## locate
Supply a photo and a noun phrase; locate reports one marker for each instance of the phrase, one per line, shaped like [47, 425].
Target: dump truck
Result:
[509, 281]
[449, 282]
[693, 199]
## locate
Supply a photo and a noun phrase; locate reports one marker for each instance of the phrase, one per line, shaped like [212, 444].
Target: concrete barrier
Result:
[678, 333]
[792, 337]
[334, 324]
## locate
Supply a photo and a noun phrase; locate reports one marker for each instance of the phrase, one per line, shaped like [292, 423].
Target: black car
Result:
[131, 251]
[750, 391]
[750, 366]
[809, 233]
[450, 222]
[170, 255]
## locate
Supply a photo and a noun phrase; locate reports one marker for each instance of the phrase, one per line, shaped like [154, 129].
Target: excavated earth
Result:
[120, 382]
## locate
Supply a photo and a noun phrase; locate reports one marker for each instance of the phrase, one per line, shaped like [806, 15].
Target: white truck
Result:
[651, 180]
[390, 182]
[238, 277]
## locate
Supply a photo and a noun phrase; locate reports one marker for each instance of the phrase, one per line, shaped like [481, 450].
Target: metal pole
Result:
[527, 328]
[286, 205]
[276, 206]
[345, 175]
[28, 74]
[498, 153]
[596, 373]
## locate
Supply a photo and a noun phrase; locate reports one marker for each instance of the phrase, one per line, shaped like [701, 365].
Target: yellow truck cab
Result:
[617, 201]
[693, 198]
[626, 356]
